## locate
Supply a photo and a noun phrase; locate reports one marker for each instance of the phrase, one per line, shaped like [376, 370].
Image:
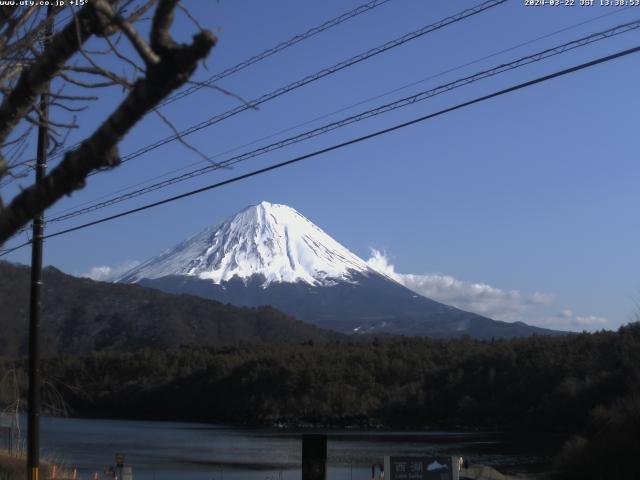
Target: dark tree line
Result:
[546, 383]
[586, 384]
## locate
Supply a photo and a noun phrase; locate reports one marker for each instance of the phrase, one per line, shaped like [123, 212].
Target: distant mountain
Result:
[271, 254]
[80, 315]
[268, 240]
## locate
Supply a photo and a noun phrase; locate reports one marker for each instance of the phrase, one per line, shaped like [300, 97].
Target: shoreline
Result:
[14, 468]
[302, 425]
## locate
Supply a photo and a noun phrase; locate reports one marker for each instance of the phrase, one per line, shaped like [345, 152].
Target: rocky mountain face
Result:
[270, 254]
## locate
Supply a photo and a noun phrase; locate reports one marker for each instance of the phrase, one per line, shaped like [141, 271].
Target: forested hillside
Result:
[587, 384]
[549, 383]
[80, 316]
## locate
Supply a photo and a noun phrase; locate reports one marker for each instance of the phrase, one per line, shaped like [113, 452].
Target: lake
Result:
[195, 451]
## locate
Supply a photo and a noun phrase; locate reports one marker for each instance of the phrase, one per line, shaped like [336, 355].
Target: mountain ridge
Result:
[268, 239]
[369, 306]
[271, 254]
[80, 315]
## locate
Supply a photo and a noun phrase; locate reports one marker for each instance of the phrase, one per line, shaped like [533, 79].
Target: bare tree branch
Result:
[80, 83]
[13, 23]
[102, 71]
[224, 91]
[190, 17]
[161, 40]
[114, 49]
[145, 52]
[34, 79]
[179, 137]
[67, 107]
[73, 98]
[140, 11]
[176, 64]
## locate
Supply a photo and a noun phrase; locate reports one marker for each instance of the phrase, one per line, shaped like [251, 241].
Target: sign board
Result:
[421, 468]
[127, 473]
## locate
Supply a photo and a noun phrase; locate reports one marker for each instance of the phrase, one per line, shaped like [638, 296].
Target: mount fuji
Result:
[270, 254]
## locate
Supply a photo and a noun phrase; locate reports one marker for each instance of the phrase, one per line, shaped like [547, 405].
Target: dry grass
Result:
[14, 467]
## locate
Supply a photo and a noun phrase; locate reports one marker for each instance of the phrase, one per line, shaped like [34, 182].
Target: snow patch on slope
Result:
[265, 239]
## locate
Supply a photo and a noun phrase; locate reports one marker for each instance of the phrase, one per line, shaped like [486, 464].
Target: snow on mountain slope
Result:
[265, 239]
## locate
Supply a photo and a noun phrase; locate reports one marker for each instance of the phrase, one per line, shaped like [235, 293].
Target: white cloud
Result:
[484, 299]
[508, 305]
[567, 319]
[105, 273]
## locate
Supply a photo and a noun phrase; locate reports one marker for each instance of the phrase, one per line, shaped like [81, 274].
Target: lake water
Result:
[194, 451]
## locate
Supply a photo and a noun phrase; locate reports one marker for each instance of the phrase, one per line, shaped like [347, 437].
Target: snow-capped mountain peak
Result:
[267, 239]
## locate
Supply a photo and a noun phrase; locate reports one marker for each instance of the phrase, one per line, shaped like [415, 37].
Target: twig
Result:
[35, 78]
[177, 63]
[224, 91]
[182, 140]
[145, 52]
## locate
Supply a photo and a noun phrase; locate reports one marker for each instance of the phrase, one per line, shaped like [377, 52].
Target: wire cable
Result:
[353, 141]
[403, 102]
[259, 57]
[340, 110]
[315, 77]
[252, 104]
[369, 136]
[7, 251]
[278, 48]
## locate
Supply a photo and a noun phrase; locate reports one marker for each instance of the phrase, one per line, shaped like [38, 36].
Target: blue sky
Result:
[523, 207]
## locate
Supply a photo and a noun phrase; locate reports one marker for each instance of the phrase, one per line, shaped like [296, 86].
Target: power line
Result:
[340, 110]
[406, 101]
[251, 104]
[364, 8]
[316, 76]
[7, 251]
[459, 106]
[278, 48]
[369, 136]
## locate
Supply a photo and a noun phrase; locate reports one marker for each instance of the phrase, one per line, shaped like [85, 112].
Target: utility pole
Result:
[33, 417]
